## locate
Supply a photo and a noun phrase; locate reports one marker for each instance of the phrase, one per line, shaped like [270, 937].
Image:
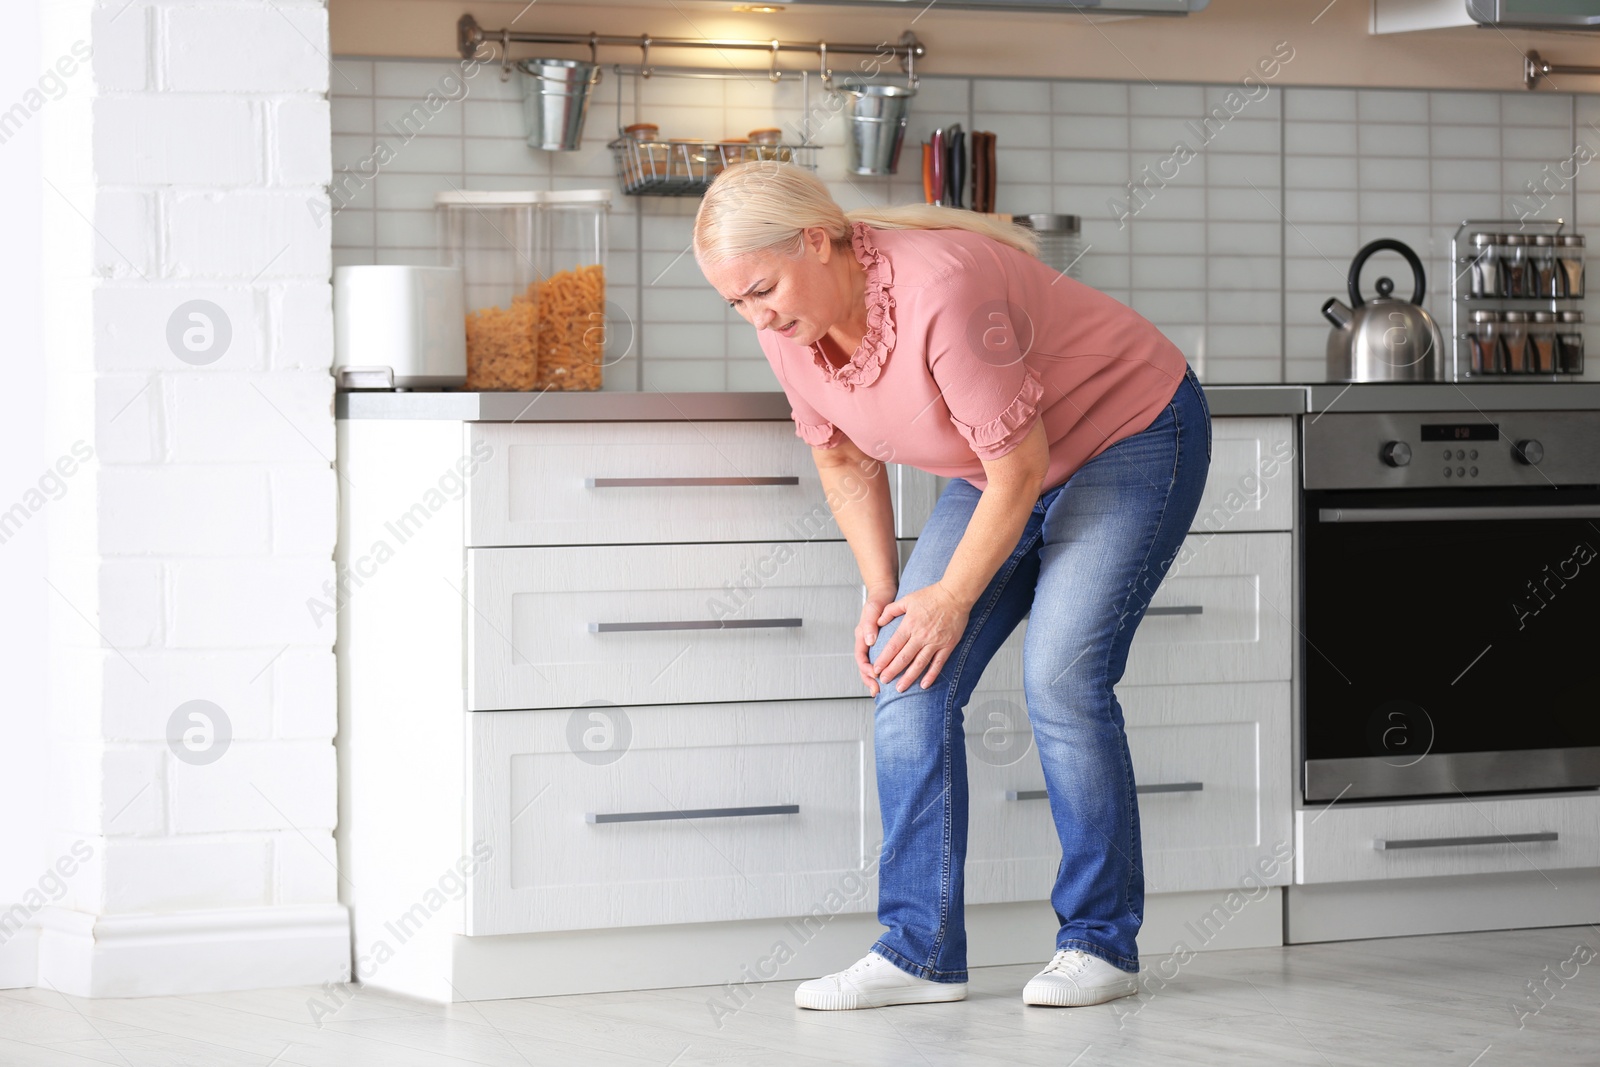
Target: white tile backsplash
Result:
[1230, 252]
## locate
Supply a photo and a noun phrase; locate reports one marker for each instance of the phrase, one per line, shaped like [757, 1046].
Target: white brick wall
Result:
[182, 556]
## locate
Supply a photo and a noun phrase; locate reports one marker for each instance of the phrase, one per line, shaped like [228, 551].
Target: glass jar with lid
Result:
[1569, 343]
[1542, 343]
[1569, 259]
[1542, 267]
[1484, 343]
[493, 238]
[1484, 272]
[1515, 337]
[1514, 265]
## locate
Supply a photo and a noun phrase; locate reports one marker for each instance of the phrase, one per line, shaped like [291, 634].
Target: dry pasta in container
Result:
[494, 239]
[572, 290]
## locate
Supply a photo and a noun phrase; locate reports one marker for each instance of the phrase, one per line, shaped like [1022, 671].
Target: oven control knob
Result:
[1396, 453]
[1529, 452]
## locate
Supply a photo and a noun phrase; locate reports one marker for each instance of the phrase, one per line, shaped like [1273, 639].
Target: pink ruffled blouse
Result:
[968, 342]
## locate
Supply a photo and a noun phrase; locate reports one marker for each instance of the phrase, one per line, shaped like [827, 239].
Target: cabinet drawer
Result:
[1252, 478]
[1349, 843]
[654, 482]
[1211, 763]
[605, 816]
[1220, 615]
[660, 624]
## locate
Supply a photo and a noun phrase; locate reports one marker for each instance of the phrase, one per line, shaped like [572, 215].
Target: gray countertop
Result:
[1225, 400]
[671, 407]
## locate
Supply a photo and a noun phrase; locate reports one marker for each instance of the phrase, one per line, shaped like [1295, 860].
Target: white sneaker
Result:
[1074, 979]
[873, 982]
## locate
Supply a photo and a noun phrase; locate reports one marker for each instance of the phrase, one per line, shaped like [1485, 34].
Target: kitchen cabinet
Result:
[656, 482]
[596, 677]
[646, 624]
[1429, 839]
[606, 816]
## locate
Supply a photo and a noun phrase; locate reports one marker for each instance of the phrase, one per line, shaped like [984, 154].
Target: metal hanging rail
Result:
[470, 37]
[1535, 67]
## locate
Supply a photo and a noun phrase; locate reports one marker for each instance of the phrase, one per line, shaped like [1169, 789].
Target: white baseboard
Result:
[19, 959]
[1349, 911]
[191, 952]
[715, 954]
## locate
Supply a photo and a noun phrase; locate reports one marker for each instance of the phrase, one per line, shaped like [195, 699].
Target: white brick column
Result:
[189, 340]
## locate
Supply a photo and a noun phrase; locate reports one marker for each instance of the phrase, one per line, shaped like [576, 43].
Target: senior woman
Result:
[1077, 440]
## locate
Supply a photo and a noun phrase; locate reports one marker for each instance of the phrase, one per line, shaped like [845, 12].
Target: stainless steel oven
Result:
[1450, 603]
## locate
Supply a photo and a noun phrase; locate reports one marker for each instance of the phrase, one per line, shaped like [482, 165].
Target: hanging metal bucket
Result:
[555, 100]
[877, 125]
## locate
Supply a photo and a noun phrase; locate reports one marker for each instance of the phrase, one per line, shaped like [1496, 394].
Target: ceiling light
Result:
[758, 9]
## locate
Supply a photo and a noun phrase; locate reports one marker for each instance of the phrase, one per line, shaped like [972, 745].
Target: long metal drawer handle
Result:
[1383, 845]
[1528, 511]
[1171, 787]
[691, 813]
[1181, 609]
[1159, 787]
[694, 624]
[646, 483]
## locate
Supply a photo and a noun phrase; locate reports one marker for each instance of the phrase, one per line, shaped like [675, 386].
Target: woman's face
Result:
[798, 297]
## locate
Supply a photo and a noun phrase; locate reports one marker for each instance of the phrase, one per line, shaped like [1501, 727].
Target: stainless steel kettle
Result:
[1384, 339]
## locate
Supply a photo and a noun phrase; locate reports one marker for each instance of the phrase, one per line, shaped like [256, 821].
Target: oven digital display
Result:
[1472, 431]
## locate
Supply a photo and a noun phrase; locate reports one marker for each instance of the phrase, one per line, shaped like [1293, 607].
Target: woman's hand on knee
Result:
[934, 620]
[867, 634]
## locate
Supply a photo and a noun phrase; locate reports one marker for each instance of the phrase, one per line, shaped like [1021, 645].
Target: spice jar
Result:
[1484, 341]
[1542, 266]
[1569, 343]
[767, 143]
[1542, 343]
[1515, 336]
[646, 157]
[1514, 264]
[1485, 269]
[1569, 257]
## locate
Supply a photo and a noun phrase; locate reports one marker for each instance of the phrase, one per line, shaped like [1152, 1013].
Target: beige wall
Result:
[1220, 44]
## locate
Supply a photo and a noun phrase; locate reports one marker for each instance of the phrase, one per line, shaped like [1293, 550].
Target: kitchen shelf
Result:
[684, 168]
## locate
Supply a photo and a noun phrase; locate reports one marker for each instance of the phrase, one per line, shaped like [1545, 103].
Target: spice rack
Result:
[1516, 290]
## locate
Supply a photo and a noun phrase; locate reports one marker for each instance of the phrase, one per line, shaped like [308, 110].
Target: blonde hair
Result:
[765, 206]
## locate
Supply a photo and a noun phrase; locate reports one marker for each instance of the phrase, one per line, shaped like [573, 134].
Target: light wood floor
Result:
[1405, 1002]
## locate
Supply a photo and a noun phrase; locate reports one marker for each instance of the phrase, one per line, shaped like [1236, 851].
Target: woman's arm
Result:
[856, 487]
[936, 616]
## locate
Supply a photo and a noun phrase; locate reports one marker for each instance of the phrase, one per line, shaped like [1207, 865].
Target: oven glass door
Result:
[1451, 642]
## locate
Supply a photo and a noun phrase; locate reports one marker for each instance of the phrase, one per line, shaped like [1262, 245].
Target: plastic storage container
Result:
[572, 290]
[533, 277]
[494, 240]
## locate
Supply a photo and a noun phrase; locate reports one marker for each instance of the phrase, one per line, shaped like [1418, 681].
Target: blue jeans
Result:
[1090, 558]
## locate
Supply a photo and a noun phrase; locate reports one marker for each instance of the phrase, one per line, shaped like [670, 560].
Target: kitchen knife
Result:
[938, 167]
[980, 170]
[994, 175]
[927, 173]
[959, 176]
[949, 173]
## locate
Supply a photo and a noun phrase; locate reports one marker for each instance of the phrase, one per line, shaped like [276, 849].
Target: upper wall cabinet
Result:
[1404, 16]
[1080, 7]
